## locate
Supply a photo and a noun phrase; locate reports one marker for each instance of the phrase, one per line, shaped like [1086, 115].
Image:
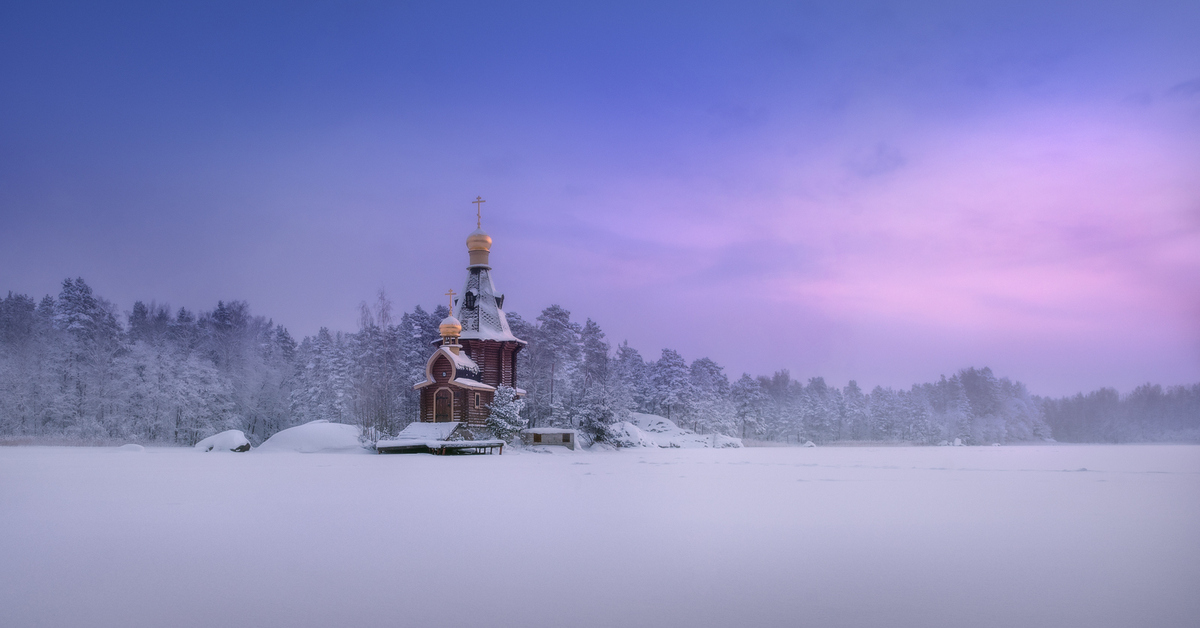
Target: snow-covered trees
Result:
[70, 369]
[504, 414]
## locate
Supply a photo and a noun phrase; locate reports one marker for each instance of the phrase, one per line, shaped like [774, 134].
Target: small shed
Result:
[549, 436]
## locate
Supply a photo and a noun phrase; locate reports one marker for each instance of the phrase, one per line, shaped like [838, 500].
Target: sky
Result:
[884, 192]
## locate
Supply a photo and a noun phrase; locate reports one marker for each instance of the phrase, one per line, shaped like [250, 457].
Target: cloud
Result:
[1186, 89]
[880, 160]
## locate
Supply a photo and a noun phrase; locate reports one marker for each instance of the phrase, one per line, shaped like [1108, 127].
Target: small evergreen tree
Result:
[595, 413]
[504, 416]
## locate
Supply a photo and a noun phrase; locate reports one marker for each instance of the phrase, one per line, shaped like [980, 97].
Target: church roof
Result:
[466, 372]
[480, 309]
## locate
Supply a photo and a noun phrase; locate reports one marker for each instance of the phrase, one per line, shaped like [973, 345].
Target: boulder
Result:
[229, 440]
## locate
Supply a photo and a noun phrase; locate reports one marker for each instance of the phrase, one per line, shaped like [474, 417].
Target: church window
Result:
[469, 300]
[477, 404]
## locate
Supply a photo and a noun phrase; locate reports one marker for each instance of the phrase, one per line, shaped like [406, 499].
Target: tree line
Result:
[73, 368]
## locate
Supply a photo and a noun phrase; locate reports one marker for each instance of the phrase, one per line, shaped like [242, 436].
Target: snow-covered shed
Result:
[549, 436]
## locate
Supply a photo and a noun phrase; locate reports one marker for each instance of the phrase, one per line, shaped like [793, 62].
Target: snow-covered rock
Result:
[131, 448]
[314, 437]
[649, 430]
[626, 434]
[809, 443]
[229, 440]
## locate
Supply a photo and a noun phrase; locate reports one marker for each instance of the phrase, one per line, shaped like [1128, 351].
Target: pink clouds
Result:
[1063, 228]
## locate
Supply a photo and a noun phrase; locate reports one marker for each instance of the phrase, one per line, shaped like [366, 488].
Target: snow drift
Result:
[315, 437]
[229, 440]
[649, 430]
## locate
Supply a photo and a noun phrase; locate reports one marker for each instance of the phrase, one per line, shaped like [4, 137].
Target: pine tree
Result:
[672, 385]
[631, 386]
[504, 414]
[594, 369]
[710, 387]
[748, 403]
[855, 416]
[594, 414]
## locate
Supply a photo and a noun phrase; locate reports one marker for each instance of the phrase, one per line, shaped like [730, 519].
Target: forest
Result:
[74, 369]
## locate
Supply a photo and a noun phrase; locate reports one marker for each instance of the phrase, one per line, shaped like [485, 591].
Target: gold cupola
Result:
[479, 244]
[450, 328]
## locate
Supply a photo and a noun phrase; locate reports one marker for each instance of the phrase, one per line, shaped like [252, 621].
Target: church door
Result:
[442, 406]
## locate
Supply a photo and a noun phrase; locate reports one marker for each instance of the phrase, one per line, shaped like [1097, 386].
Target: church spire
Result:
[481, 308]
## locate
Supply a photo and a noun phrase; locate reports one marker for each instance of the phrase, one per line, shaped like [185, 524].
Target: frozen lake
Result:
[932, 536]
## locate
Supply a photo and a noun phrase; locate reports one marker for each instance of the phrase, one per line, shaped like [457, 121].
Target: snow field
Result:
[932, 536]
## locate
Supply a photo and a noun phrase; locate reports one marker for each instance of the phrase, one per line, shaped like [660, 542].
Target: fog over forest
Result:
[74, 368]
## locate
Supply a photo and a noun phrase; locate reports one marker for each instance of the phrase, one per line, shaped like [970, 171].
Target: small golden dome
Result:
[450, 326]
[479, 241]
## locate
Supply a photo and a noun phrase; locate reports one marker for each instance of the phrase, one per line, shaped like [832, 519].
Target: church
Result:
[477, 351]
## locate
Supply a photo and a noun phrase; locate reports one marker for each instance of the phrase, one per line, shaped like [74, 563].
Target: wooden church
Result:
[477, 352]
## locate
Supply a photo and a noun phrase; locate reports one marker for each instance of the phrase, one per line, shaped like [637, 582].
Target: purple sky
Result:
[884, 192]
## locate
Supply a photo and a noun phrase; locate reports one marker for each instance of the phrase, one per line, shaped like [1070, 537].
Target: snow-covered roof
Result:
[434, 431]
[546, 430]
[466, 371]
[472, 384]
[462, 361]
[434, 443]
[486, 319]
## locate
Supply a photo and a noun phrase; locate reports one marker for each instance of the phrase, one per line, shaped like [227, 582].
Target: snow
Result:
[462, 361]
[902, 537]
[315, 437]
[472, 384]
[228, 440]
[131, 448]
[649, 430]
[546, 430]
[435, 444]
[428, 431]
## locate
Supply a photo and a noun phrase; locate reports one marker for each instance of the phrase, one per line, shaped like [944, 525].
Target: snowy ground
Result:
[930, 536]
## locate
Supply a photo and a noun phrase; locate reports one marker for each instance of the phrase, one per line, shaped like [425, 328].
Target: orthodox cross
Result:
[478, 219]
[450, 293]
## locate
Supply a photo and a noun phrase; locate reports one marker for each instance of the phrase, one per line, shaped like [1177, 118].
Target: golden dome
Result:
[450, 326]
[479, 241]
